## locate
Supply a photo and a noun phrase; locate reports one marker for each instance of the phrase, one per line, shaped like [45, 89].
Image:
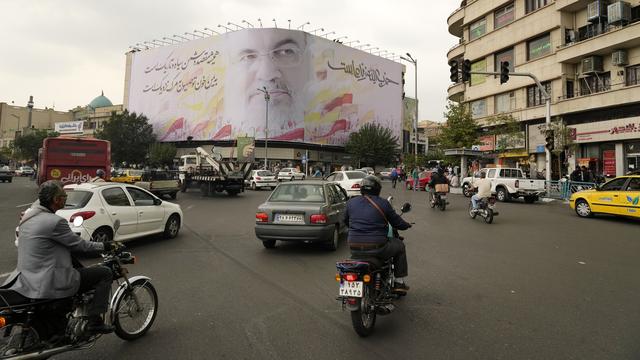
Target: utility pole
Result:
[415, 121]
[267, 97]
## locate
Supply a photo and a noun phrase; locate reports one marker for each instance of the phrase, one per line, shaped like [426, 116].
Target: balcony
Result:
[456, 51]
[571, 5]
[456, 91]
[616, 97]
[602, 44]
[455, 21]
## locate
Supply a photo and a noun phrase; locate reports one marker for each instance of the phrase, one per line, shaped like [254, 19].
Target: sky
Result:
[66, 52]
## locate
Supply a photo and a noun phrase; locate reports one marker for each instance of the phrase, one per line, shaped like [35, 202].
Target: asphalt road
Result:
[539, 283]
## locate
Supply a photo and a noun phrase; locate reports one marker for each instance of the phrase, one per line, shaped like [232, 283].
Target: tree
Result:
[130, 135]
[373, 145]
[6, 154]
[563, 144]
[508, 133]
[27, 146]
[161, 154]
[460, 130]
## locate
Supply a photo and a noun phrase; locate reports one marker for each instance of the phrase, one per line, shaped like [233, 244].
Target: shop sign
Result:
[487, 143]
[609, 162]
[610, 130]
[69, 127]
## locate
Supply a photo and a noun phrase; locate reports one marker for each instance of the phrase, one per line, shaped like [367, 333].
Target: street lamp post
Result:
[267, 97]
[415, 121]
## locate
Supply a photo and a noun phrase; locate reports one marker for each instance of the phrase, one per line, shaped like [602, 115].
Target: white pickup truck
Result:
[506, 184]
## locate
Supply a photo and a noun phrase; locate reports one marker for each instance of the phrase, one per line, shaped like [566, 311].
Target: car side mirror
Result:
[406, 207]
[157, 201]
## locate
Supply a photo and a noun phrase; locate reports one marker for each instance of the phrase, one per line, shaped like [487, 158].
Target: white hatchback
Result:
[350, 181]
[261, 179]
[101, 204]
[290, 174]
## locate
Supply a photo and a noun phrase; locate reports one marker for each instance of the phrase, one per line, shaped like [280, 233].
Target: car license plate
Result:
[289, 218]
[351, 288]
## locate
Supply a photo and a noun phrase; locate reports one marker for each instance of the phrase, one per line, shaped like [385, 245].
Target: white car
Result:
[386, 173]
[24, 171]
[290, 174]
[350, 181]
[101, 204]
[261, 179]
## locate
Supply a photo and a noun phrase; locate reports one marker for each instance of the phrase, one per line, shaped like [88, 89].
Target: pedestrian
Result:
[416, 178]
[576, 175]
[587, 175]
[394, 177]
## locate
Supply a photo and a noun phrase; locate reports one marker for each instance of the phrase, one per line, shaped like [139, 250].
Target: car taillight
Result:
[355, 186]
[258, 178]
[85, 215]
[262, 217]
[351, 277]
[517, 183]
[318, 219]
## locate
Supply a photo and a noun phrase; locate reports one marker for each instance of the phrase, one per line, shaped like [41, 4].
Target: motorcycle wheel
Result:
[443, 205]
[432, 203]
[363, 319]
[472, 214]
[135, 310]
[489, 217]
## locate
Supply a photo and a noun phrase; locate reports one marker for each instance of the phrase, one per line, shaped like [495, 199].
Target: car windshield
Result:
[265, 173]
[298, 193]
[77, 199]
[355, 174]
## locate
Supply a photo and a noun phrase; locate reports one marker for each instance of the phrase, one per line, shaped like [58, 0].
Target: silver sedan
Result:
[309, 211]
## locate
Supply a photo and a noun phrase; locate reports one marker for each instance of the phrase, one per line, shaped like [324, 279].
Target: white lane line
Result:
[23, 205]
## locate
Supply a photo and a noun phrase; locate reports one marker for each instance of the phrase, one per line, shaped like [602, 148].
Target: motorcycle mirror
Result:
[77, 221]
[116, 225]
[390, 198]
[406, 207]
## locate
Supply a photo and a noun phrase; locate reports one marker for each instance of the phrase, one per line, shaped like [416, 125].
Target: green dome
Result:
[100, 101]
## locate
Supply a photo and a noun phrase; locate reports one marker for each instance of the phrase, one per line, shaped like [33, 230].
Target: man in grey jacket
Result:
[45, 269]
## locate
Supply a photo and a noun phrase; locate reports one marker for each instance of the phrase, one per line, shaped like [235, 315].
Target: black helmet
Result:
[100, 173]
[440, 170]
[370, 185]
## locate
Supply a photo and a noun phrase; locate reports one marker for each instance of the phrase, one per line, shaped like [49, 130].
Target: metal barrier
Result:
[564, 189]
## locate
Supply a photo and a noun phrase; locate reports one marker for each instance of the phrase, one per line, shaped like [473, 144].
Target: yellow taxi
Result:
[128, 176]
[620, 196]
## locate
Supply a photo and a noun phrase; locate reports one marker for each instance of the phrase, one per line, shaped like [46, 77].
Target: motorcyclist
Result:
[437, 177]
[45, 269]
[367, 217]
[484, 190]
[100, 174]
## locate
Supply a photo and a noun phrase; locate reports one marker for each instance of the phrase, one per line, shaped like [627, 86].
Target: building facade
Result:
[586, 54]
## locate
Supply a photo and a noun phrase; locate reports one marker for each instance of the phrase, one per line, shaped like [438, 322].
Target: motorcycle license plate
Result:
[351, 288]
[443, 197]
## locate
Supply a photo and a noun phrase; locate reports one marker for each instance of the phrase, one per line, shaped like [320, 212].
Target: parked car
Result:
[423, 179]
[25, 171]
[6, 174]
[259, 179]
[310, 211]
[290, 174]
[386, 173]
[100, 204]
[367, 170]
[620, 196]
[507, 184]
[349, 180]
[160, 183]
[128, 176]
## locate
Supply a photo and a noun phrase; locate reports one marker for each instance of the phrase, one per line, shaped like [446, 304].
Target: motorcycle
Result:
[365, 288]
[486, 209]
[39, 329]
[439, 200]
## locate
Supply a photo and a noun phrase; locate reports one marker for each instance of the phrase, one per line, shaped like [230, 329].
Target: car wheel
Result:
[333, 243]
[502, 195]
[172, 227]
[583, 209]
[303, 177]
[269, 244]
[253, 185]
[103, 234]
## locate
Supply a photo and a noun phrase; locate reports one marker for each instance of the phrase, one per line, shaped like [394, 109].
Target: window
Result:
[595, 83]
[479, 108]
[532, 5]
[478, 66]
[298, 193]
[633, 75]
[503, 16]
[614, 185]
[505, 102]
[340, 192]
[355, 175]
[634, 184]
[141, 198]
[115, 197]
[534, 95]
[570, 92]
[506, 55]
[539, 47]
[492, 173]
[338, 177]
[77, 199]
[477, 29]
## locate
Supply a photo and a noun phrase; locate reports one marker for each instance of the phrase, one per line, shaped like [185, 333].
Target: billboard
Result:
[69, 127]
[288, 84]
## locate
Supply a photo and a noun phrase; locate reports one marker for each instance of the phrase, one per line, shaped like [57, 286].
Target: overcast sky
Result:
[65, 52]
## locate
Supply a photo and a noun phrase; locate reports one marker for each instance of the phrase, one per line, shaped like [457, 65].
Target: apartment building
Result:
[586, 53]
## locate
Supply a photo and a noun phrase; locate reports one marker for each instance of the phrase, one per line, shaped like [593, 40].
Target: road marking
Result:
[23, 205]
[189, 207]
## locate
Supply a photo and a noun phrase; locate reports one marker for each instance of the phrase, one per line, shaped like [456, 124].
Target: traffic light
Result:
[466, 70]
[549, 139]
[454, 71]
[504, 72]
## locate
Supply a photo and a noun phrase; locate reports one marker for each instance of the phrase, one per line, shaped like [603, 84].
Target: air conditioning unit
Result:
[570, 36]
[619, 12]
[592, 64]
[596, 10]
[620, 58]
